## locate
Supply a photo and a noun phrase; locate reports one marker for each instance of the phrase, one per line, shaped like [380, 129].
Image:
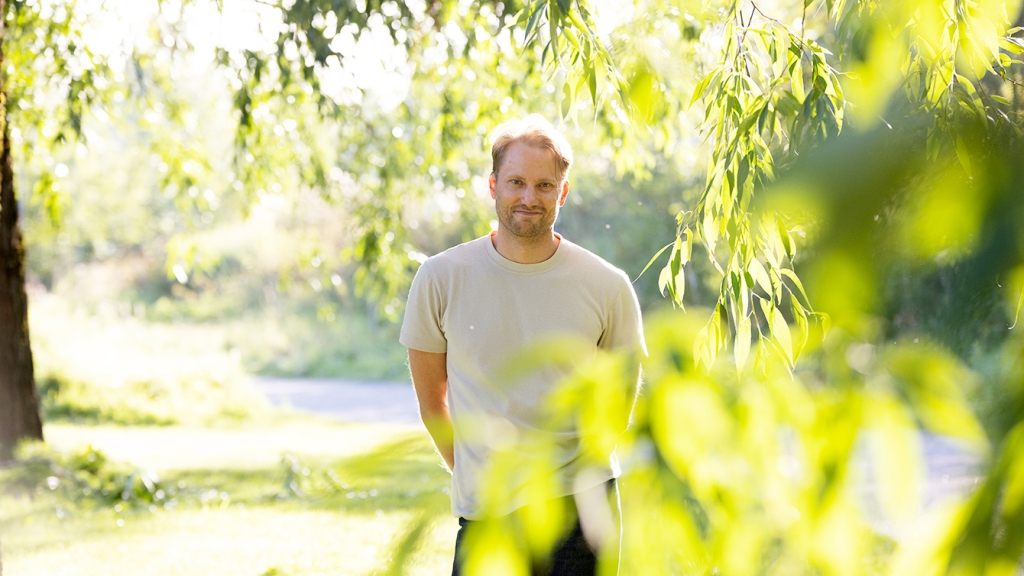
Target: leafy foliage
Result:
[57, 81]
[771, 94]
[86, 479]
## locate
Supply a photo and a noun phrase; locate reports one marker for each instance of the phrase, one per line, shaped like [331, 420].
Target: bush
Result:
[88, 479]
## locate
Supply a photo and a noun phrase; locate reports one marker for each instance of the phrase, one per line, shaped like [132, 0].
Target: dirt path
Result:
[343, 400]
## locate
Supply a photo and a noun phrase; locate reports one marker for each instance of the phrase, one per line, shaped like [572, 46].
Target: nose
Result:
[530, 194]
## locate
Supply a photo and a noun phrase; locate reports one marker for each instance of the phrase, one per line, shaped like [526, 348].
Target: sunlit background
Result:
[223, 203]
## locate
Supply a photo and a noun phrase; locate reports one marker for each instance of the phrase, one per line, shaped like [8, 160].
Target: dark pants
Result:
[572, 556]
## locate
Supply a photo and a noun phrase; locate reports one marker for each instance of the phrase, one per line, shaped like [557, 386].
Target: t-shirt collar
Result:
[519, 268]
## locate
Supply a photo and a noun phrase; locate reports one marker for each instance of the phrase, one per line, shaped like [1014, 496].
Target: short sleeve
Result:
[422, 328]
[624, 327]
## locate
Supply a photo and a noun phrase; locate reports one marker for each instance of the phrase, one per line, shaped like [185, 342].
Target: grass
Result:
[163, 460]
[245, 518]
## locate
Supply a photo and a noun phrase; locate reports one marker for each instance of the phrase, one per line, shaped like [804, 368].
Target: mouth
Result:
[526, 212]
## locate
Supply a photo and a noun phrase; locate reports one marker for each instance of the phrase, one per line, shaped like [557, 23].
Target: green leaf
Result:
[591, 80]
[717, 340]
[826, 321]
[781, 333]
[801, 323]
[1012, 45]
[699, 89]
[712, 80]
[787, 241]
[568, 98]
[796, 281]
[676, 260]
[1016, 313]
[967, 85]
[797, 81]
[963, 155]
[531, 26]
[749, 120]
[739, 294]
[742, 348]
[757, 270]
[781, 41]
[679, 287]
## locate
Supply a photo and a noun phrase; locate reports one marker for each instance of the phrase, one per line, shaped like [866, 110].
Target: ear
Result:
[564, 194]
[492, 181]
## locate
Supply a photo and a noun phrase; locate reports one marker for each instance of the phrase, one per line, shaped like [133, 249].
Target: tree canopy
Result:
[760, 86]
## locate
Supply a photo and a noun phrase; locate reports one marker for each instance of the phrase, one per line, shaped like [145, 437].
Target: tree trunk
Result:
[19, 403]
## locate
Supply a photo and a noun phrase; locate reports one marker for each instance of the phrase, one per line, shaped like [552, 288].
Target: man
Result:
[474, 307]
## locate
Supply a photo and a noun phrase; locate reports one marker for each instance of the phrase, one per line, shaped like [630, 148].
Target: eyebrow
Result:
[515, 176]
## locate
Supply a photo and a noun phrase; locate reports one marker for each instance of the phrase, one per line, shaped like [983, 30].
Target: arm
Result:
[430, 379]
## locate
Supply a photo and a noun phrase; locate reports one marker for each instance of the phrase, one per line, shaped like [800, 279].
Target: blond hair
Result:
[533, 130]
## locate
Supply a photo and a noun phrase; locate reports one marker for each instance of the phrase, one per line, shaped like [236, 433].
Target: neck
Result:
[525, 250]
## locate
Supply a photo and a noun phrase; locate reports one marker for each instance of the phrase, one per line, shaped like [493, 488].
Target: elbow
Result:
[431, 412]
[426, 415]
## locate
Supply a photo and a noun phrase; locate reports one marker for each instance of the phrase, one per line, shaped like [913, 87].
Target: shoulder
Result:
[465, 255]
[593, 266]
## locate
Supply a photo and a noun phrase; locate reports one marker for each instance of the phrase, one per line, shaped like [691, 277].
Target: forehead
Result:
[537, 162]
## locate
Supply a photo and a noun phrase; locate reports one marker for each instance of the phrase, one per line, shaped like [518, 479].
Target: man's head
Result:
[535, 131]
[529, 182]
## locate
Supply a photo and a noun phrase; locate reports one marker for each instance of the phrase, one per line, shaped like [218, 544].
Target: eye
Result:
[515, 182]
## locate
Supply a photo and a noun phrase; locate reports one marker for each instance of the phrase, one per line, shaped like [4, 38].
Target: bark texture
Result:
[19, 402]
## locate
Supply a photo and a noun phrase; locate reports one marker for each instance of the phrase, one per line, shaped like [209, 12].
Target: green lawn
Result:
[241, 518]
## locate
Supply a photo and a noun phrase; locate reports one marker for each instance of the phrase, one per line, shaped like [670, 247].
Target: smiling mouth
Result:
[526, 212]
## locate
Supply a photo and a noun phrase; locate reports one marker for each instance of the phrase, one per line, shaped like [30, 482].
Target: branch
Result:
[765, 16]
[800, 39]
[803, 21]
[276, 5]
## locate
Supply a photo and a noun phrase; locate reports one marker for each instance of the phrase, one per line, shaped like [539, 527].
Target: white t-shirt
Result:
[481, 310]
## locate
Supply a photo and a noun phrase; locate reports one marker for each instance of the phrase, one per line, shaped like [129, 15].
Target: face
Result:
[528, 191]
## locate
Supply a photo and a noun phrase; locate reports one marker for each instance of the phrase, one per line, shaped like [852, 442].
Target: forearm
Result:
[439, 425]
[429, 373]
